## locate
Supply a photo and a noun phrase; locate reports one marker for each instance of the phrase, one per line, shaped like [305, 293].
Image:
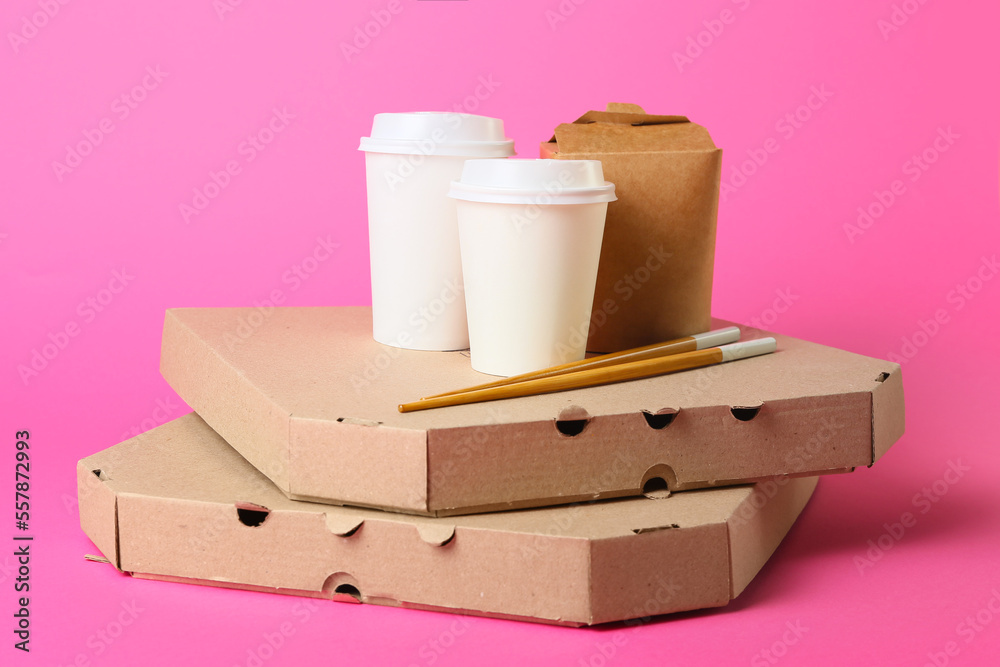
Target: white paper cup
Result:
[531, 233]
[418, 297]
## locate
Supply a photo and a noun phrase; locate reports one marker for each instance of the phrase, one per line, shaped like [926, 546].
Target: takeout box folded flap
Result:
[627, 128]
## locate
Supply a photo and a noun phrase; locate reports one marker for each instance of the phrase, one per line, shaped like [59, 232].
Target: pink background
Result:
[887, 95]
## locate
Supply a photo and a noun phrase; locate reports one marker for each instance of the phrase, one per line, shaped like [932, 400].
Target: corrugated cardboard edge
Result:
[264, 444]
[464, 510]
[429, 462]
[373, 464]
[402, 562]
[660, 571]
[655, 570]
[888, 412]
[321, 595]
[760, 523]
[671, 454]
[637, 562]
[98, 506]
[718, 560]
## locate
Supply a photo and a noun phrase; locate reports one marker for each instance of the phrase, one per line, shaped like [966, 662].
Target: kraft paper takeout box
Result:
[177, 503]
[310, 399]
[654, 282]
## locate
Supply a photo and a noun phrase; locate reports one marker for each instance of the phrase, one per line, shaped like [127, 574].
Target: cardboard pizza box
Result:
[311, 400]
[178, 504]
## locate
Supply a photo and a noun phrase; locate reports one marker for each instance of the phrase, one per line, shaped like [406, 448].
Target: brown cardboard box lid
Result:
[218, 521]
[626, 128]
[310, 399]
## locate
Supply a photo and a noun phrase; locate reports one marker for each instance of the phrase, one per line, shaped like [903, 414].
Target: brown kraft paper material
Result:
[654, 282]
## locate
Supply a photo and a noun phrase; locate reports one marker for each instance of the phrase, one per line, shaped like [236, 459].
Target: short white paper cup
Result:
[418, 297]
[531, 233]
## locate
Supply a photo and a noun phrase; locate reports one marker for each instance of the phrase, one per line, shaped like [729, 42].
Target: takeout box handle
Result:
[621, 113]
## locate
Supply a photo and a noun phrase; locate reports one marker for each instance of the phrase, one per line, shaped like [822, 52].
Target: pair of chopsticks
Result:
[704, 349]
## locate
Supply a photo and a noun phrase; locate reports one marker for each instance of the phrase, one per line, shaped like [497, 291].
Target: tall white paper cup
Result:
[418, 294]
[531, 233]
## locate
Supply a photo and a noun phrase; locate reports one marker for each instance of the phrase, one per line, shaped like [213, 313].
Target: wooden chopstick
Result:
[687, 344]
[597, 376]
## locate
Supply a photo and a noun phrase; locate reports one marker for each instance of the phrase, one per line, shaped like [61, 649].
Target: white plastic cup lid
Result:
[533, 182]
[438, 133]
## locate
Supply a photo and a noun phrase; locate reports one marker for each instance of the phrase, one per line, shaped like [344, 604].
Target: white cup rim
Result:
[540, 197]
[484, 149]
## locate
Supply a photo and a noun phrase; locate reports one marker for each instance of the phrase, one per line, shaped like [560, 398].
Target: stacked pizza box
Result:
[297, 474]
